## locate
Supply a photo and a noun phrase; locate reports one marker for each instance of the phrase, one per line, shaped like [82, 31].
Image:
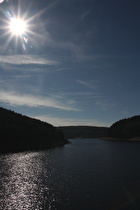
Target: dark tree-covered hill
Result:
[84, 131]
[19, 133]
[126, 128]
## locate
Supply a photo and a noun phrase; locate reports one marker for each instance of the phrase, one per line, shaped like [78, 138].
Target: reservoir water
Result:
[88, 174]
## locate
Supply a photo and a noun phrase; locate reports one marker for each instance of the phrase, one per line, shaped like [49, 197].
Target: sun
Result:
[17, 26]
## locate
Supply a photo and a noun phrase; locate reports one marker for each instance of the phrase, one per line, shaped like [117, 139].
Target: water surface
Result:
[85, 175]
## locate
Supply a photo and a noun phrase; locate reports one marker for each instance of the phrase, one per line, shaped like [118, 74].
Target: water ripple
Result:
[22, 183]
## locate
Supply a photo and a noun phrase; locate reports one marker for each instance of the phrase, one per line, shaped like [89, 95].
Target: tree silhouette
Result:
[126, 128]
[18, 133]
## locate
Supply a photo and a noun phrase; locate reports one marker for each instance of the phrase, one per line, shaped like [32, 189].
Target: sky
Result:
[77, 63]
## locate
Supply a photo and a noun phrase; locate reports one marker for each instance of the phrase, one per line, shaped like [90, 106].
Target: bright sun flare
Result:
[17, 26]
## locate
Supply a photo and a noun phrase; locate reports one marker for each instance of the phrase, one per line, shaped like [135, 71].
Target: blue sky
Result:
[80, 65]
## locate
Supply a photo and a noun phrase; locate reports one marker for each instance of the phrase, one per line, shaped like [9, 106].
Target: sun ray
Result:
[8, 41]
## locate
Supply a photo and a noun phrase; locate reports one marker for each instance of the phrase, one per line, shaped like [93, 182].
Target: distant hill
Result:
[19, 133]
[84, 131]
[127, 129]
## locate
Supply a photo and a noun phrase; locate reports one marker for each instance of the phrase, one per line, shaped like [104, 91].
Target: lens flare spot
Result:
[1, 1]
[25, 39]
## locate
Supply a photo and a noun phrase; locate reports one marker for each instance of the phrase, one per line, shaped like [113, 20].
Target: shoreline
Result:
[108, 138]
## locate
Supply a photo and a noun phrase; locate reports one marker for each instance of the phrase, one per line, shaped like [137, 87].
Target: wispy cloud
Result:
[84, 14]
[92, 84]
[56, 121]
[125, 112]
[19, 99]
[82, 94]
[25, 59]
[105, 104]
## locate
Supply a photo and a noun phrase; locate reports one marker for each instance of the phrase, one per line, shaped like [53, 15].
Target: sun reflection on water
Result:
[22, 183]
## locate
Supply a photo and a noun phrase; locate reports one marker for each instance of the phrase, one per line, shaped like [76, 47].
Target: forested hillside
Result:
[126, 128]
[84, 131]
[18, 133]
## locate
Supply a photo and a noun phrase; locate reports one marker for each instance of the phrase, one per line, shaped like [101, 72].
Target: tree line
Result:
[18, 133]
[126, 128]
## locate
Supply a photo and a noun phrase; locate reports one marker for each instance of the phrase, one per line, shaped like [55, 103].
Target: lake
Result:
[84, 175]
